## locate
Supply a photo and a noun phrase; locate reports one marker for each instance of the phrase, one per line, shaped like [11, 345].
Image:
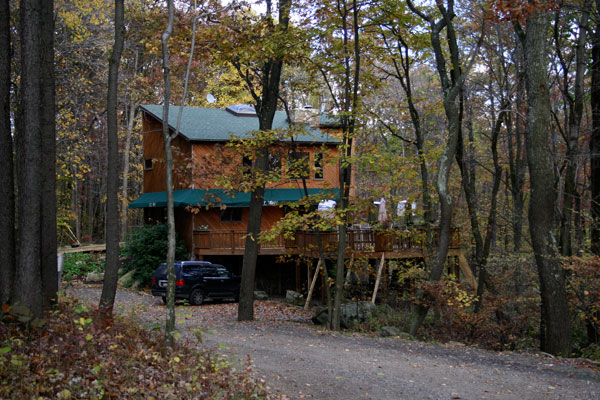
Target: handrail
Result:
[363, 240]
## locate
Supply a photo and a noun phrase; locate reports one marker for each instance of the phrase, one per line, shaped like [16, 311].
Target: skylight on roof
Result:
[242, 109]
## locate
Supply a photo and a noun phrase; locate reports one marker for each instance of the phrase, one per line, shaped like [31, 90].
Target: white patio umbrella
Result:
[382, 217]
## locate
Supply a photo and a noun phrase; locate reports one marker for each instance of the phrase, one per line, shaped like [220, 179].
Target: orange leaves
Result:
[517, 11]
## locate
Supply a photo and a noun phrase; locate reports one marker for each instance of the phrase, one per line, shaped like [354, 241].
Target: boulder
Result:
[294, 298]
[387, 331]
[355, 312]
[94, 277]
[136, 285]
[126, 280]
[384, 310]
[260, 295]
[321, 316]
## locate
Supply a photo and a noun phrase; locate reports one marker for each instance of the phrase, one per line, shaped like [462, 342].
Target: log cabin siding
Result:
[198, 164]
[212, 219]
[154, 149]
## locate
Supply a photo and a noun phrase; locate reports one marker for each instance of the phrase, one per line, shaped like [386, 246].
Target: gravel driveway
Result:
[298, 360]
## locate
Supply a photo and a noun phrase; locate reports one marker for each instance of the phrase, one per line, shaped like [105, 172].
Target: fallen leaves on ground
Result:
[80, 354]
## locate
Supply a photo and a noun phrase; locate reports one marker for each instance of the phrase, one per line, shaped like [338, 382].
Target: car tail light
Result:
[180, 282]
[153, 281]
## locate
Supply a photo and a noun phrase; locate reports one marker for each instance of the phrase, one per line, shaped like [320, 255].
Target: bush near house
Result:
[77, 265]
[146, 247]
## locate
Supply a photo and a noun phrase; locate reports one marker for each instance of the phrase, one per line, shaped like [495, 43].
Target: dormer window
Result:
[242, 110]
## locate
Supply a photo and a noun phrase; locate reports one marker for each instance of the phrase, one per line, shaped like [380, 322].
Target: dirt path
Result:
[300, 361]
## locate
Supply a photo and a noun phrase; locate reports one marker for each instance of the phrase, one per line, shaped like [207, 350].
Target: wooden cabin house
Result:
[213, 221]
[210, 219]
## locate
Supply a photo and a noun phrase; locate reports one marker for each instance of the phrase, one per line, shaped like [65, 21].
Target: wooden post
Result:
[312, 286]
[298, 278]
[381, 264]
[347, 280]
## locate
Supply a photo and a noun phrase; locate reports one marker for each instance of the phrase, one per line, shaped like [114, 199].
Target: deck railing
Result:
[362, 240]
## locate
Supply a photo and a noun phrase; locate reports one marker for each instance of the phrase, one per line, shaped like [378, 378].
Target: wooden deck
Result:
[396, 243]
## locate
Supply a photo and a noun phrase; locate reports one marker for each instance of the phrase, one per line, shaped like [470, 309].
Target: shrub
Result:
[79, 264]
[146, 247]
[584, 296]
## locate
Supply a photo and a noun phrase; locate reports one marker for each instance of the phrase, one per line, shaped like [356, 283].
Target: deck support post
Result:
[312, 286]
[381, 264]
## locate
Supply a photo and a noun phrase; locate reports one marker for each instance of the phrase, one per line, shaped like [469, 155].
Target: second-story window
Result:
[319, 164]
[298, 165]
[247, 165]
[274, 162]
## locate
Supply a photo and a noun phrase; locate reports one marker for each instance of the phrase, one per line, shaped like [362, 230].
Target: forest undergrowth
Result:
[79, 354]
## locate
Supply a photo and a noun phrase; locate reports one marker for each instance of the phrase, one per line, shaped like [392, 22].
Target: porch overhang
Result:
[219, 197]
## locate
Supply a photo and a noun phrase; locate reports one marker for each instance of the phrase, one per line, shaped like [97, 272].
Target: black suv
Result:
[197, 281]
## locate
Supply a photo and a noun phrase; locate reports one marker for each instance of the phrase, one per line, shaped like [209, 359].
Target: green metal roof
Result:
[216, 197]
[213, 124]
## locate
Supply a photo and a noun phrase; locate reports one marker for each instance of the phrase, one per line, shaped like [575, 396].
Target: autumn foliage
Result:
[517, 11]
[77, 356]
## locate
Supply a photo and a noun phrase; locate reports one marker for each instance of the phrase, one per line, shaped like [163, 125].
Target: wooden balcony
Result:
[396, 243]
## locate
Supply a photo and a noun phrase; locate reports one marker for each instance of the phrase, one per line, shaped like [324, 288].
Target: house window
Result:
[247, 165]
[148, 164]
[274, 162]
[298, 165]
[231, 215]
[319, 164]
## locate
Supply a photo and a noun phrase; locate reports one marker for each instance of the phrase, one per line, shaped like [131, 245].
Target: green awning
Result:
[216, 197]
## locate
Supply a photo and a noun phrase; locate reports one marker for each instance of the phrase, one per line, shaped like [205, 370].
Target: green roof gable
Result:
[217, 125]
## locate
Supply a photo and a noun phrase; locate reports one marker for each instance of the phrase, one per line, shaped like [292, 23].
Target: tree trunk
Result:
[7, 189]
[109, 289]
[48, 140]
[125, 179]
[170, 318]
[556, 324]
[595, 138]
[574, 107]
[451, 85]
[28, 280]
[265, 109]
[516, 152]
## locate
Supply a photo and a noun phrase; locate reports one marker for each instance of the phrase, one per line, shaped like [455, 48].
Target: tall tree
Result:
[573, 105]
[109, 289]
[338, 60]
[517, 160]
[48, 242]
[348, 12]
[265, 97]
[595, 135]
[167, 140]
[555, 321]
[7, 193]
[36, 197]
[452, 76]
